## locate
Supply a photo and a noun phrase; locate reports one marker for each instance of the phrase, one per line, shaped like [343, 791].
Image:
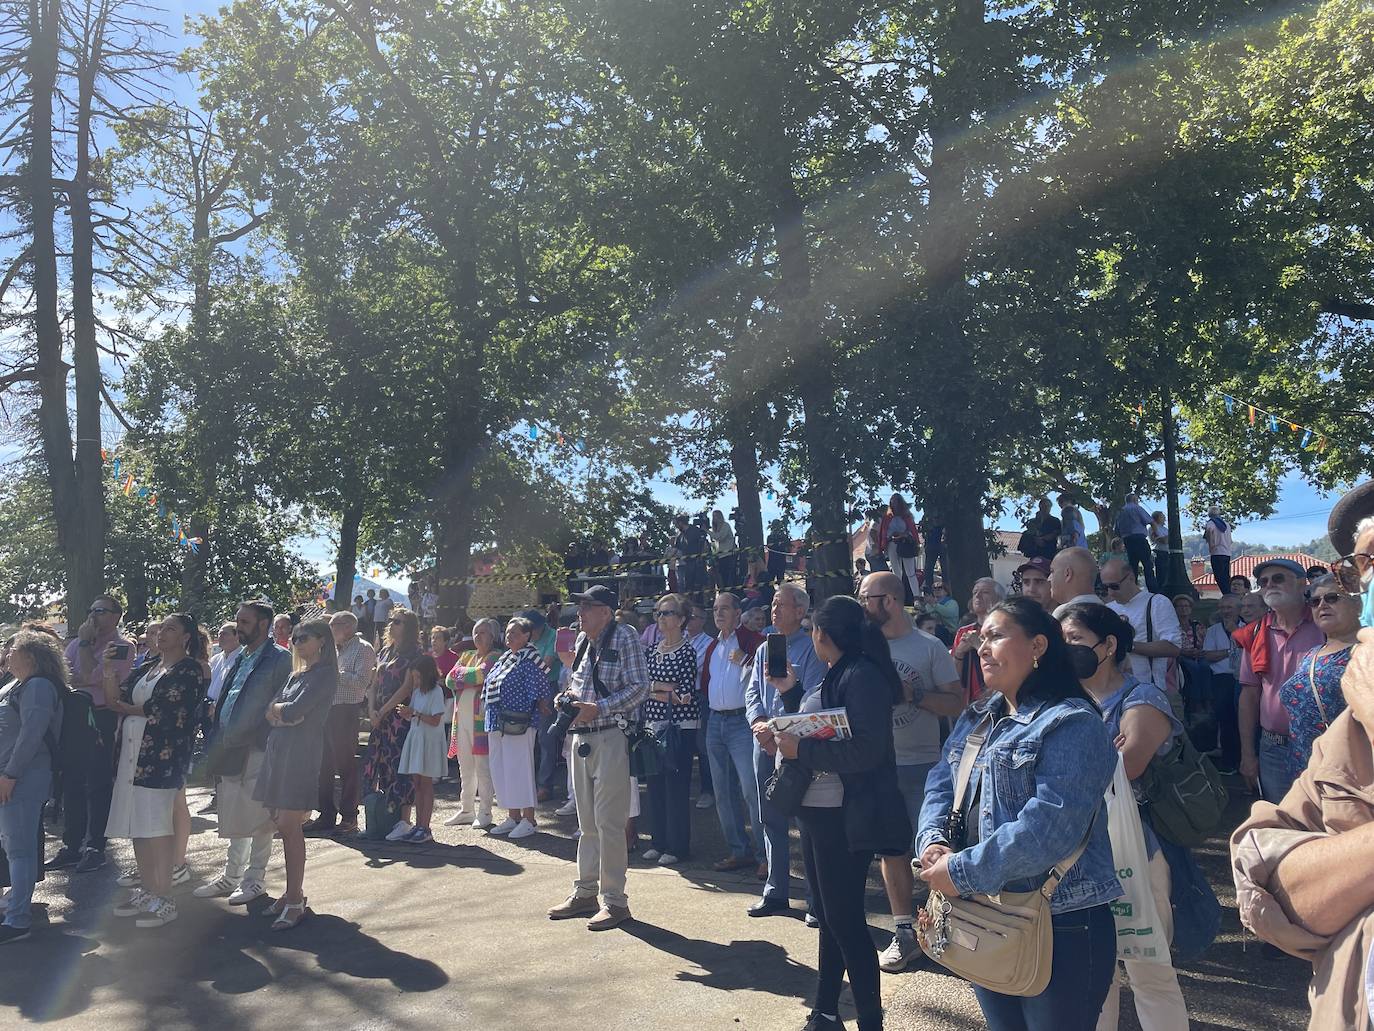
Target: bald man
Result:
[1073, 574]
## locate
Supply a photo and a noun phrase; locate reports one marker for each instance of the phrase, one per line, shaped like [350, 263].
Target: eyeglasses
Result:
[1329, 598]
[1273, 580]
[662, 613]
[99, 612]
[872, 597]
[1112, 587]
[1356, 560]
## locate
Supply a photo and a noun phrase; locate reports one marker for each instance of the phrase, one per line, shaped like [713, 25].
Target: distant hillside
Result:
[1195, 547]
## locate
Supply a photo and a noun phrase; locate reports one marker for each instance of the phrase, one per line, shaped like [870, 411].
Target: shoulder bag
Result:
[1003, 942]
[787, 787]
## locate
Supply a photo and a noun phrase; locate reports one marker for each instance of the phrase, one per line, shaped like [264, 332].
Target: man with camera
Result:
[608, 682]
[88, 781]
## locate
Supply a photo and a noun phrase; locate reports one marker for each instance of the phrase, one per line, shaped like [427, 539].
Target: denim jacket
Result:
[1044, 771]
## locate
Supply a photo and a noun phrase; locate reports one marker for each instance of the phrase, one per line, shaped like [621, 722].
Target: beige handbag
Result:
[1002, 942]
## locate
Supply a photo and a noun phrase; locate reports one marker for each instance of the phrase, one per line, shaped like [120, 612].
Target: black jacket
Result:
[170, 732]
[247, 728]
[875, 818]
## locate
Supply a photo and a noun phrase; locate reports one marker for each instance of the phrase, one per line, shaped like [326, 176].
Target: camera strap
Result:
[597, 685]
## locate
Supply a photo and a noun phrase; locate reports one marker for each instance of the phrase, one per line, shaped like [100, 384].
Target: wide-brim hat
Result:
[1356, 505]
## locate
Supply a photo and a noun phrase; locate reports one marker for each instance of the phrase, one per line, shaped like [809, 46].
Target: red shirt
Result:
[1284, 651]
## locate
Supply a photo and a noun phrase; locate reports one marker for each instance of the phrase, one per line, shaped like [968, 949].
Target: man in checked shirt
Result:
[608, 682]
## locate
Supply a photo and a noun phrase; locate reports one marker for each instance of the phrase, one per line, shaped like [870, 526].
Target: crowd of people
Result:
[981, 755]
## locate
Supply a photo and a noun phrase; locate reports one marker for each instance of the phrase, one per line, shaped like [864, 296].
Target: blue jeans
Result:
[1082, 969]
[1276, 776]
[19, 823]
[730, 748]
[776, 841]
[911, 782]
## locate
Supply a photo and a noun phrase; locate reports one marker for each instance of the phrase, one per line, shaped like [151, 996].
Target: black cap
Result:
[1355, 506]
[598, 594]
[534, 616]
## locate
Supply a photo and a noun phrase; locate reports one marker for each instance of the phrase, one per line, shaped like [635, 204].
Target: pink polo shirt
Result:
[1284, 651]
[88, 670]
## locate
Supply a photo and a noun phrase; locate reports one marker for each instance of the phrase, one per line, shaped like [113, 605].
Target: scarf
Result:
[1218, 522]
[502, 668]
[1254, 639]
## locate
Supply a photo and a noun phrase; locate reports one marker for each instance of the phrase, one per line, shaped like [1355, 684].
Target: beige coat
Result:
[1334, 794]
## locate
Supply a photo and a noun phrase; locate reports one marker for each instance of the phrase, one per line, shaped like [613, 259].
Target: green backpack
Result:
[1187, 798]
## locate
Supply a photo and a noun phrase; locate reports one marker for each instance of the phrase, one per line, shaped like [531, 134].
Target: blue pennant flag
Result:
[161, 510]
[534, 433]
[1306, 438]
[115, 467]
[1230, 403]
[1273, 424]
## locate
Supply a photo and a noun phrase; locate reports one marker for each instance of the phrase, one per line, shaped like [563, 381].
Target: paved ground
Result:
[454, 934]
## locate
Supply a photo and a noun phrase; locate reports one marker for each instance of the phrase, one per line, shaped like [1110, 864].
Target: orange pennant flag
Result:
[1293, 426]
[1252, 414]
[129, 486]
[1321, 445]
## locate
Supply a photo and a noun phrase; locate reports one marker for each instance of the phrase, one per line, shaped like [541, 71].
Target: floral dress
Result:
[1315, 675]
[381, 770]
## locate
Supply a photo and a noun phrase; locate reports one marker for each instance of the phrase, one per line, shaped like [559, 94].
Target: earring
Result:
[1035, 662]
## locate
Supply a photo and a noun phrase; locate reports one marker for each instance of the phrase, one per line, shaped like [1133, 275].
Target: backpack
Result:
[1187, 798]
[77, 710]
[1171, 671]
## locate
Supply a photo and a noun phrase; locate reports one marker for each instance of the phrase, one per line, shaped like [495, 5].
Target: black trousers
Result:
[837, 878]
[670, 799]
[88, 783]
[1221, 569]
[1138, 553]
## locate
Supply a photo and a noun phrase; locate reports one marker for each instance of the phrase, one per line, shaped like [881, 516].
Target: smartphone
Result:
[776, 656]
[121, 652]
[565, 640]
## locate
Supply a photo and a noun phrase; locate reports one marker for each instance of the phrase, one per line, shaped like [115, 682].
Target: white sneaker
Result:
[458, 819]
[131, 879]
[894, 958]
[181, 874]
[481, 823]
[706, 801]
[522, 830]
[246, 893]
[135, 904]
[217, 888]
[160, 911]
[652, 854]
[400, 830]
[668, 859]
[506, 826]
[568, 808]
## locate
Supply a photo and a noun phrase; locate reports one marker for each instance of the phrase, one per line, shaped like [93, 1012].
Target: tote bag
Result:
[1139, 932]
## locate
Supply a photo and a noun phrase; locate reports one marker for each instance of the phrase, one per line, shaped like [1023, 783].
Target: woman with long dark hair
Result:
[902, 543]
[1036, 792]
[391, 689]
[158, 703]
[853, 807]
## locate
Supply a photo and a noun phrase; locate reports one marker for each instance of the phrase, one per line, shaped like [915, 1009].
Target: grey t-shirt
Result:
[922, 662]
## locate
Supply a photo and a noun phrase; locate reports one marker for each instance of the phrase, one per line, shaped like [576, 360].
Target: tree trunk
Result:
[744, 463]
[453, 551]
[966, 542]
[194, 565]
[82, 550]
[346, 564]
[89, 519]
[830, 559]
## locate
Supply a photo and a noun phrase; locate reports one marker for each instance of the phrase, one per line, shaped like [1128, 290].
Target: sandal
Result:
[291, 914]
[276, 907]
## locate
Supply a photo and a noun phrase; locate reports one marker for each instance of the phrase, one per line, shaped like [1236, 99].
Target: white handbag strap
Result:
[1312, 683]
[973, 744]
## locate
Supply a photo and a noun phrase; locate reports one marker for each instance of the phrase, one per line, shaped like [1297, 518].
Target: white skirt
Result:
[137, 812]
[512, 769]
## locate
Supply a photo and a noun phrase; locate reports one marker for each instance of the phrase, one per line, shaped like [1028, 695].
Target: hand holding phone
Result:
[776, 656]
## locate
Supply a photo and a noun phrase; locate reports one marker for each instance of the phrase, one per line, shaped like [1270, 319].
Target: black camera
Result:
[567, 712]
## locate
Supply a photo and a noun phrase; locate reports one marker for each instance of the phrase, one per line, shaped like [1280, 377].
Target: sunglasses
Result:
[100, 612]
[1328, 598]
[662, 613]
[1272, 581]
[300, 638]
[1357, 560]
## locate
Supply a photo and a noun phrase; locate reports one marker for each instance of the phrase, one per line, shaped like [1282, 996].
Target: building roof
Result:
[1244, 565]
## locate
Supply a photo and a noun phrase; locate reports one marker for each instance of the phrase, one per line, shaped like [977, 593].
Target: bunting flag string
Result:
[1311, 438]
[128, 483]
